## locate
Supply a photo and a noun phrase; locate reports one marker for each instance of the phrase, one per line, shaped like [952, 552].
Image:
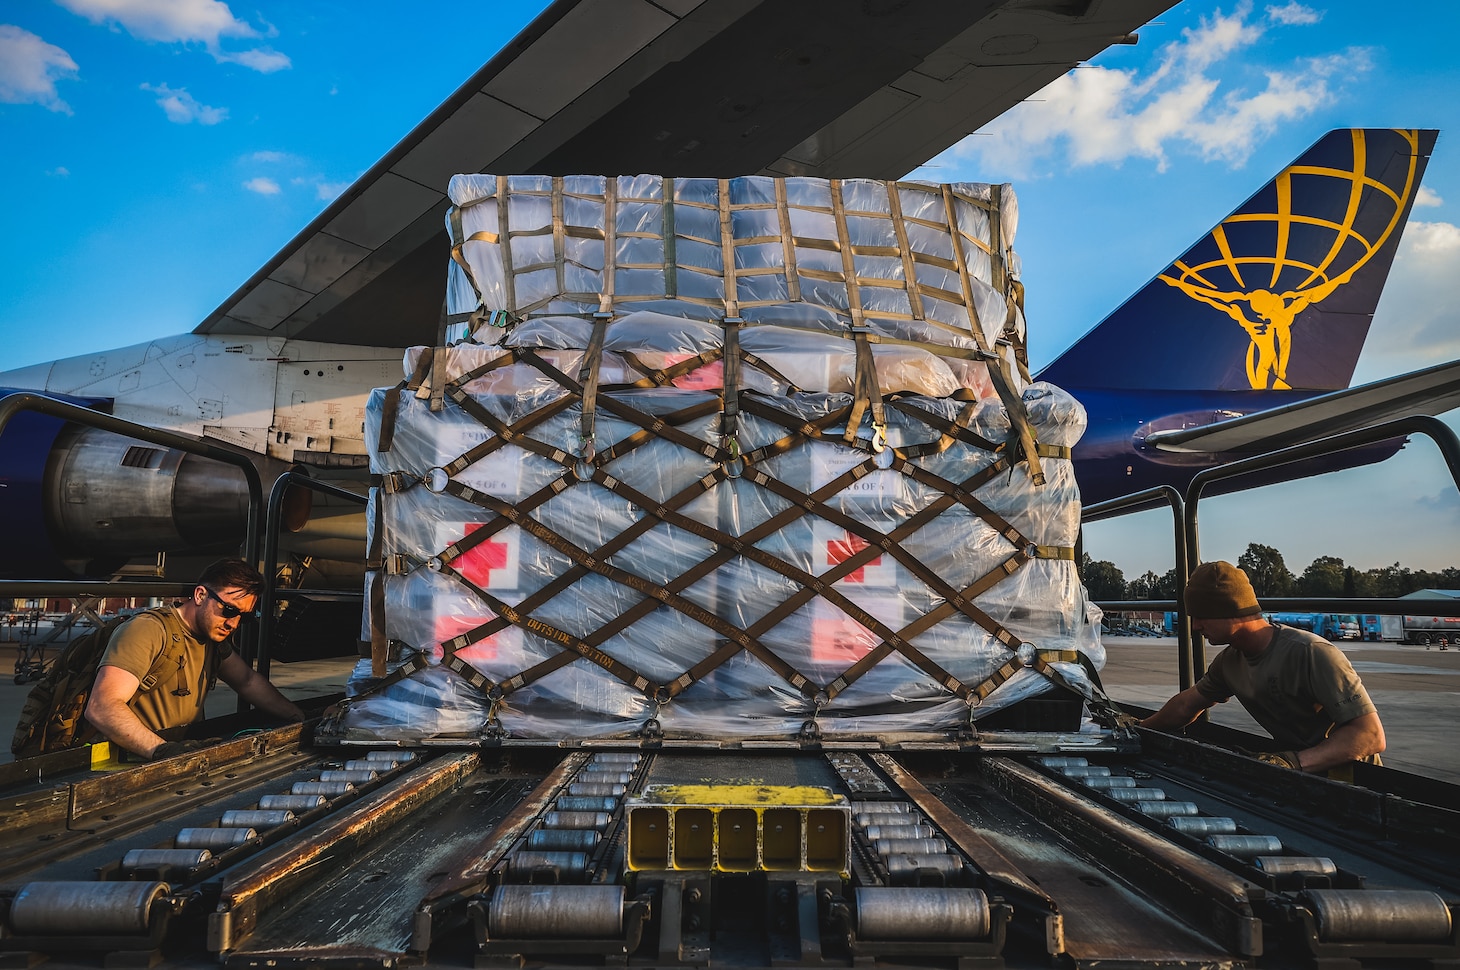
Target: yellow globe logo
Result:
[1292, 245]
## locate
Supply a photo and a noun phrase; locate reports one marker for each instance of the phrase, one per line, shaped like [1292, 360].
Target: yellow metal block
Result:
[739, 828]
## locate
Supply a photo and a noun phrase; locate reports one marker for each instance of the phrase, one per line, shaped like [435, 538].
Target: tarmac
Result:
[1417, 692]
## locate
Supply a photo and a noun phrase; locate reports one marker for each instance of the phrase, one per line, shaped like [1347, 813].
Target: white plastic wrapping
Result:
[909, 260]
[658, 563]
[426, 606]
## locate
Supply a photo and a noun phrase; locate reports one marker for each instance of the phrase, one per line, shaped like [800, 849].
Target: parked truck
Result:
[1426, 630]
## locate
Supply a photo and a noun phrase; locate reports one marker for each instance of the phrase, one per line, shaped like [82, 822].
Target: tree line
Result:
[1270, 576]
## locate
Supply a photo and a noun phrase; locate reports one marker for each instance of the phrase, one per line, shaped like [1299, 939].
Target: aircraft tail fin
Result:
[1281, 293]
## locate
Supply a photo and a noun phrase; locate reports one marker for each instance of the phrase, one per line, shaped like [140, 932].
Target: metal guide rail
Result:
[262, 853]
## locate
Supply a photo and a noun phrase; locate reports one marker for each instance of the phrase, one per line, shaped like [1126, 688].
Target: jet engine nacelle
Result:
[76, 500]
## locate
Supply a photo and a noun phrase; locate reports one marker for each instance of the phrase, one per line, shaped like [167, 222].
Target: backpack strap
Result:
[168, 617]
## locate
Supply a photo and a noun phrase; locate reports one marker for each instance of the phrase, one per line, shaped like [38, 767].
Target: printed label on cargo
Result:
[490, 564]
[840, 641]
[499, 473]
[830, 462]
[835, 545]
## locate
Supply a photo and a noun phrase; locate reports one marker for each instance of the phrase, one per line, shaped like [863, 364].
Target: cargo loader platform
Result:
[263, 852]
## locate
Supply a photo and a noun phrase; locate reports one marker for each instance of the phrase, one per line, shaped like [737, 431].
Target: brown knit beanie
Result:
[1220, 591]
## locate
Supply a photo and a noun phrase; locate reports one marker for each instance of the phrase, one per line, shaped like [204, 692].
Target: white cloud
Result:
[265, 60]
[30, 68]
[1427, 197]
[59, 171]
[1417, 323]
[269, 156]
[263, 186]
[328, 191]
[204, 22]
[182, 108]
[1103, 116]
[1293, 13]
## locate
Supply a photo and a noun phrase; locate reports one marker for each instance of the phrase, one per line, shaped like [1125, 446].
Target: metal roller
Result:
[875, 832]
[548, 912]
[593, 776]
[1137, 794]
[291, 803]
[353, 777]
[1165, 809]
[910, 846]
[616, 758]
[1084, 771]
[1388, 915]
[1246, 846]
[576, 820]
[585, 788]
[903, 867]
[399, 757]
[164, 858]
[1108, 781]
[523, 862]
[1063, 761]
[888, 818]
[859, 808]
[201, 838]
[1295, 865]
[563, 840]
[92, 908]
[913, 914]
[585, 803]
[1203, 825]
[329, 789]
[260, 819]
[370, 764]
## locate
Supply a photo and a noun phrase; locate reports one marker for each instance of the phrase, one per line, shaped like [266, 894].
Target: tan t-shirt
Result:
[1298, 689]
[181, 686]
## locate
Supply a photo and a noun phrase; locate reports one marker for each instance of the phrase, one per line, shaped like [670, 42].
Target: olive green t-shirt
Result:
[1299, 688]
[177, 696]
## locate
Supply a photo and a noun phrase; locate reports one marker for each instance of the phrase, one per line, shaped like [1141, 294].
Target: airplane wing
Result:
[1431, 391]
[672, 87]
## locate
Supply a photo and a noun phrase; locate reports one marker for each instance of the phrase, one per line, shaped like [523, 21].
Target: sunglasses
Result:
[227, 609]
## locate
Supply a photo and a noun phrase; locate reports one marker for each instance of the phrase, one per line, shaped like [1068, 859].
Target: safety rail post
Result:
[1141, 502]
[1434, 428]
[271, 553]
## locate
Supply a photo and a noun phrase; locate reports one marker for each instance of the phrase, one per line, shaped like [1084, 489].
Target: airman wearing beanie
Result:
[1297, 685]
[1220, 591]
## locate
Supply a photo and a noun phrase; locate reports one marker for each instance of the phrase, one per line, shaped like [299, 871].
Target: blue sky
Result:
[158, 152]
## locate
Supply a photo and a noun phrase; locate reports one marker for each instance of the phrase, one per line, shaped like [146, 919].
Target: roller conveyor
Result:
[758, 859]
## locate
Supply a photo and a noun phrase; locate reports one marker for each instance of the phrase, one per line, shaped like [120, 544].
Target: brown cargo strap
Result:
[392, 398]
[729, 546]
[666, 376]
[413, 663]
[651, 590]
[1039, 662]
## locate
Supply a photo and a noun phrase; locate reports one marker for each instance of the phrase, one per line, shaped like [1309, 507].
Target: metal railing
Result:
[1192, 657]
[271, 553]
[1140, 502]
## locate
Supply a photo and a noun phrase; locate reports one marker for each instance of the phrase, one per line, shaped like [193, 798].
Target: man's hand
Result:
[1283, 759]
[171, 749]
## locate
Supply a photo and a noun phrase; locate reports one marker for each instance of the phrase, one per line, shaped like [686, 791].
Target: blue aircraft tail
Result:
[1280, 294]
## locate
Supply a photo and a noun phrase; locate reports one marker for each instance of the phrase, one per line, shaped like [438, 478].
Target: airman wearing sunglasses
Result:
[130, 703]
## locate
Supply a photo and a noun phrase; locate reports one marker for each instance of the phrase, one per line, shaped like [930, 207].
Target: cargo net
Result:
[614, 521]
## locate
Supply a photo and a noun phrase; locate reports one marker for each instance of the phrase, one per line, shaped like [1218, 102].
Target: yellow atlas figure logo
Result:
[1229, 280]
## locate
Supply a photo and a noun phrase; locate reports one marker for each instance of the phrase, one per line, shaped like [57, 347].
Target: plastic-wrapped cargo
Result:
[721, 458]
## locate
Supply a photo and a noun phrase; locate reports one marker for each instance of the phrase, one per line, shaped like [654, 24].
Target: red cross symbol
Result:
[840, 550]
[477, 563]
